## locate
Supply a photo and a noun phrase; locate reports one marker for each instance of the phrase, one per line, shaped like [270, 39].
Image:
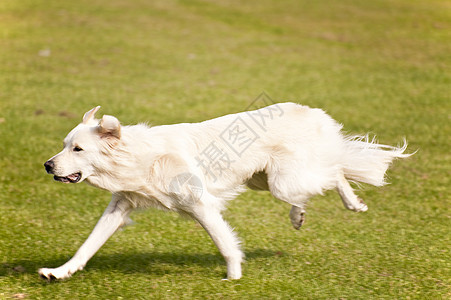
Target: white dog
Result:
[293, 151]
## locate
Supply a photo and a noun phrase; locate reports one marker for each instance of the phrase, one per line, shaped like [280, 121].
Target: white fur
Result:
[293, 151]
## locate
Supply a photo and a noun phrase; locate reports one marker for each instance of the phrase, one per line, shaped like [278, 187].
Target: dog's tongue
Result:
[73, 177]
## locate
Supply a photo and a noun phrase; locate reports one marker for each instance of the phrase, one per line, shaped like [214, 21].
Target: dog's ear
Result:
[89, 116]
[109, 127]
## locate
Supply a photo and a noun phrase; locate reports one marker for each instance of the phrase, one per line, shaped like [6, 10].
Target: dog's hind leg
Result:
[222, 235]
[113, 218]
[297, 216]
[296, 199]
[350, 200]
[297, 211]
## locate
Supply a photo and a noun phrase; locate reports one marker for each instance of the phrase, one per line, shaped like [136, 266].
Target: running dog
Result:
[293, 151]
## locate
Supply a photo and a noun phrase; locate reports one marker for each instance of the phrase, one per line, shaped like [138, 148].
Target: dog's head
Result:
[84, 147]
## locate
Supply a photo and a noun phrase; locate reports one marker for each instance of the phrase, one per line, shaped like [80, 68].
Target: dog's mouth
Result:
[72, 178]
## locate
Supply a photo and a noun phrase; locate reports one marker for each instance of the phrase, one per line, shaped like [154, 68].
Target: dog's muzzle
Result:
[72, 178]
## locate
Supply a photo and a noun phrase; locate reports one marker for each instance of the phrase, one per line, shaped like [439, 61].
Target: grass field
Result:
[379, 66]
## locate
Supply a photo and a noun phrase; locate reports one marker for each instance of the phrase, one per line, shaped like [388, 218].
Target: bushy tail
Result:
[367, 161]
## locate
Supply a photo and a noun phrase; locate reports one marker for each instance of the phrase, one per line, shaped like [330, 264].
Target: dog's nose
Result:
[49, 165]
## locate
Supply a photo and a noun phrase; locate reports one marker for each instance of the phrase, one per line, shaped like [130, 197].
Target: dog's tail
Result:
[367, 161]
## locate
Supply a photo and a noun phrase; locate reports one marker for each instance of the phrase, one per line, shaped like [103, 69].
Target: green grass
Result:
[378, 66]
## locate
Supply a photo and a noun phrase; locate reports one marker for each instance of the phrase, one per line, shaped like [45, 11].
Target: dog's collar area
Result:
[72, 178]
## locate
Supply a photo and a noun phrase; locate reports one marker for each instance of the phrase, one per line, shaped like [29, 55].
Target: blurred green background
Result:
[378, 66]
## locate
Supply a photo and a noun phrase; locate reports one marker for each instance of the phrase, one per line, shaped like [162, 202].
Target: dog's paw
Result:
[53, 274]
[358, 206]
[297, 220]
[233, 275]
[361, 207]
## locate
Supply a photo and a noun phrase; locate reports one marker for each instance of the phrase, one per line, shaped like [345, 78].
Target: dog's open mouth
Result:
[72, 178]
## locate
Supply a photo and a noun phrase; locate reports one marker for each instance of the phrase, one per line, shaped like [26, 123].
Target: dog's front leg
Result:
[223, 236]
[113, 218]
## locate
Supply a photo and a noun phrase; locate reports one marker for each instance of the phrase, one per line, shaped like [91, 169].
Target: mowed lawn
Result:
[376, 66]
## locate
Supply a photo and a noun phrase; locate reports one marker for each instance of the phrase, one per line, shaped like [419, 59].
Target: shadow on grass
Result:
[158, 263]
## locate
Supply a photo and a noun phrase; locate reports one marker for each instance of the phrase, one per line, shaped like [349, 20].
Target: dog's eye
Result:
[77, 149]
